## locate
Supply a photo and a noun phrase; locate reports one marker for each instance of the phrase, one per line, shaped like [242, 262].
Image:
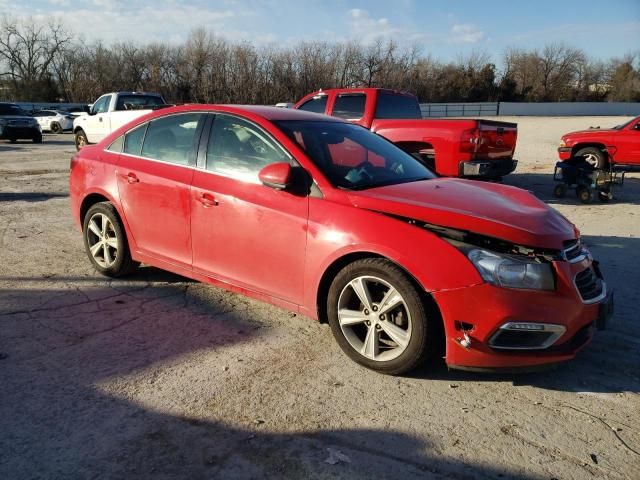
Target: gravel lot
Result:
[158, 376]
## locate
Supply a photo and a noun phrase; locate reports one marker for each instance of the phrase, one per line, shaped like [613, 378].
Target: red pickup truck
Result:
[619, 145]
[451, 147]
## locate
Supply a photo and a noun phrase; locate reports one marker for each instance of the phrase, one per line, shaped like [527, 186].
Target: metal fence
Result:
[459, 109]
[547, 109]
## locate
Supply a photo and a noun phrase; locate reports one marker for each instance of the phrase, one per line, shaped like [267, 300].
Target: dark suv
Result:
[16, 124]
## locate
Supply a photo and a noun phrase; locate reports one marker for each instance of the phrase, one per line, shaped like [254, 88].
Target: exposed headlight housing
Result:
[511, 272]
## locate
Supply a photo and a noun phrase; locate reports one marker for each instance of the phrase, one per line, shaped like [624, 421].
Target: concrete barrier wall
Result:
[549, 109]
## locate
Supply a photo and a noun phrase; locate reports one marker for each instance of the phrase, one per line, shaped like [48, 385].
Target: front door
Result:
[627, 142]
[154, 178]
[97, 122]
[243, 232]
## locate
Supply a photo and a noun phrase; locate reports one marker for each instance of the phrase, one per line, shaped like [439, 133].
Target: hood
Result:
[591, 131]
[490, 209]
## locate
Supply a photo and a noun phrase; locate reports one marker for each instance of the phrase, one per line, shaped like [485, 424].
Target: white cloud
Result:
[367, 29]
[466, 33]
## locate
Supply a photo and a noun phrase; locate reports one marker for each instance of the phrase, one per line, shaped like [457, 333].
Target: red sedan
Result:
[329, 220]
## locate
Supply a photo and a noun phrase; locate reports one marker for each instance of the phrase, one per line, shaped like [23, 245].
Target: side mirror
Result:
[276, 175]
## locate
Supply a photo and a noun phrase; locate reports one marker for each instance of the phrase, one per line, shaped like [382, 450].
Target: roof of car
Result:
[266, 112]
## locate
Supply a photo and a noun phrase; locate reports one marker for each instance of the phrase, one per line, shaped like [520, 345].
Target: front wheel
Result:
[378, 317]
[584, 194]
[105, 241]
[593, 156]
[56, 127]
[81, 139]
[37, 138]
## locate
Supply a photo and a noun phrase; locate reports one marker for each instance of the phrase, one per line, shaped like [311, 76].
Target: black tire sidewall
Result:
[421, 327]
[80, 134]
[56, 127]
[602, 158]
[123, 258]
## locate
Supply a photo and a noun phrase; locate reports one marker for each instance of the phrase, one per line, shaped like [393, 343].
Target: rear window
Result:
[138, 102]
[317, 104]
[349, 106]
[393, 106]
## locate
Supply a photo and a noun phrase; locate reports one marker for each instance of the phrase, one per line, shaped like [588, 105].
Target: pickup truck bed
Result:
[451, 147]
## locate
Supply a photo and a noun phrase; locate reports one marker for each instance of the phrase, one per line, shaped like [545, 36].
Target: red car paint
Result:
[621, 144]
[269, 244]
[452, 147]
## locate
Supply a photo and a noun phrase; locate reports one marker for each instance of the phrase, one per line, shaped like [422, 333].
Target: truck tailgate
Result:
[496, 139]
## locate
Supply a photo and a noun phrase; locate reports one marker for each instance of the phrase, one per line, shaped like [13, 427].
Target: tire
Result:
[56, 127]
[81, 139]
[111, 257]
[560, 190]
[593, 156]
[583, 194]
[604, 195]
[37, 138]
[411, 323]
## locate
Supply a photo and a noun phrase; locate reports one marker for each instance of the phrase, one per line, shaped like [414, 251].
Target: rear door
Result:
[154, 177]
[245, 233]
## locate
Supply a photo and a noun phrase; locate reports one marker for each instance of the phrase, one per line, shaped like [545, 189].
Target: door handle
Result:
[207, 200]
[131, 178]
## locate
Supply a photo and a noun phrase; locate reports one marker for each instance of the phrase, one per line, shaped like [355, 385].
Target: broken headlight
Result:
[510, 271]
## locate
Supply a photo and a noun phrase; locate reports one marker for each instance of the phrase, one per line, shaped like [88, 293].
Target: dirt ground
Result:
[156, 376]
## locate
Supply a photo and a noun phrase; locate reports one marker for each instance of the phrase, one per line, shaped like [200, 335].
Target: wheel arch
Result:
[581, 145]
[414, 147]
[339, 263]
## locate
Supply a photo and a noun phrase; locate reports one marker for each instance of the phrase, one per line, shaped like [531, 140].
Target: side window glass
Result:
[102, 105]
[317, 104]
[133, 140]
[116, 145]
[349, 106]
[239, 149]
[171, 138]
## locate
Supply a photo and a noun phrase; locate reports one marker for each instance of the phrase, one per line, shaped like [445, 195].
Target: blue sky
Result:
[445, 29]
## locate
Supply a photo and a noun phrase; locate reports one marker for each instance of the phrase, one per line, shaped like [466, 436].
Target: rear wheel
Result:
[105, 241]
[584, 194]
[56, 127]
[593, 156]
[560, 190]
[81, 139]
[378, 317]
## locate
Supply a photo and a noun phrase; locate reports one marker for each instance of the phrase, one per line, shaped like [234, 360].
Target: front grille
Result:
[589, 285]
[572, 249]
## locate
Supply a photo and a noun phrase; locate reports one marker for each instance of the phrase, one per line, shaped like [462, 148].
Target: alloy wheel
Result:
[374, 318]
[102, 240]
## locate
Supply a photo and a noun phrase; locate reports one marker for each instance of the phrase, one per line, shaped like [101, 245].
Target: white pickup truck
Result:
[110, 112]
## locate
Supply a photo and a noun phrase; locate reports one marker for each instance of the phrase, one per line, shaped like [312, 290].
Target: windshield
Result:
[395, 106]
[352, 157]
[620, 127]
[8, 109]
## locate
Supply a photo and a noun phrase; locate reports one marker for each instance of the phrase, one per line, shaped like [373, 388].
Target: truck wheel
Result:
[105, 241]
[593, 156]
[81, 139]
[584, 194]
[378, 317]
[56, 127]
[560, 190]
[37, 138]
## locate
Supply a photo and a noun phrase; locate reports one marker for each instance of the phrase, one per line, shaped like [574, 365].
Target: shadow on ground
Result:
[30, 196]
[542, 185]
[84, 393]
